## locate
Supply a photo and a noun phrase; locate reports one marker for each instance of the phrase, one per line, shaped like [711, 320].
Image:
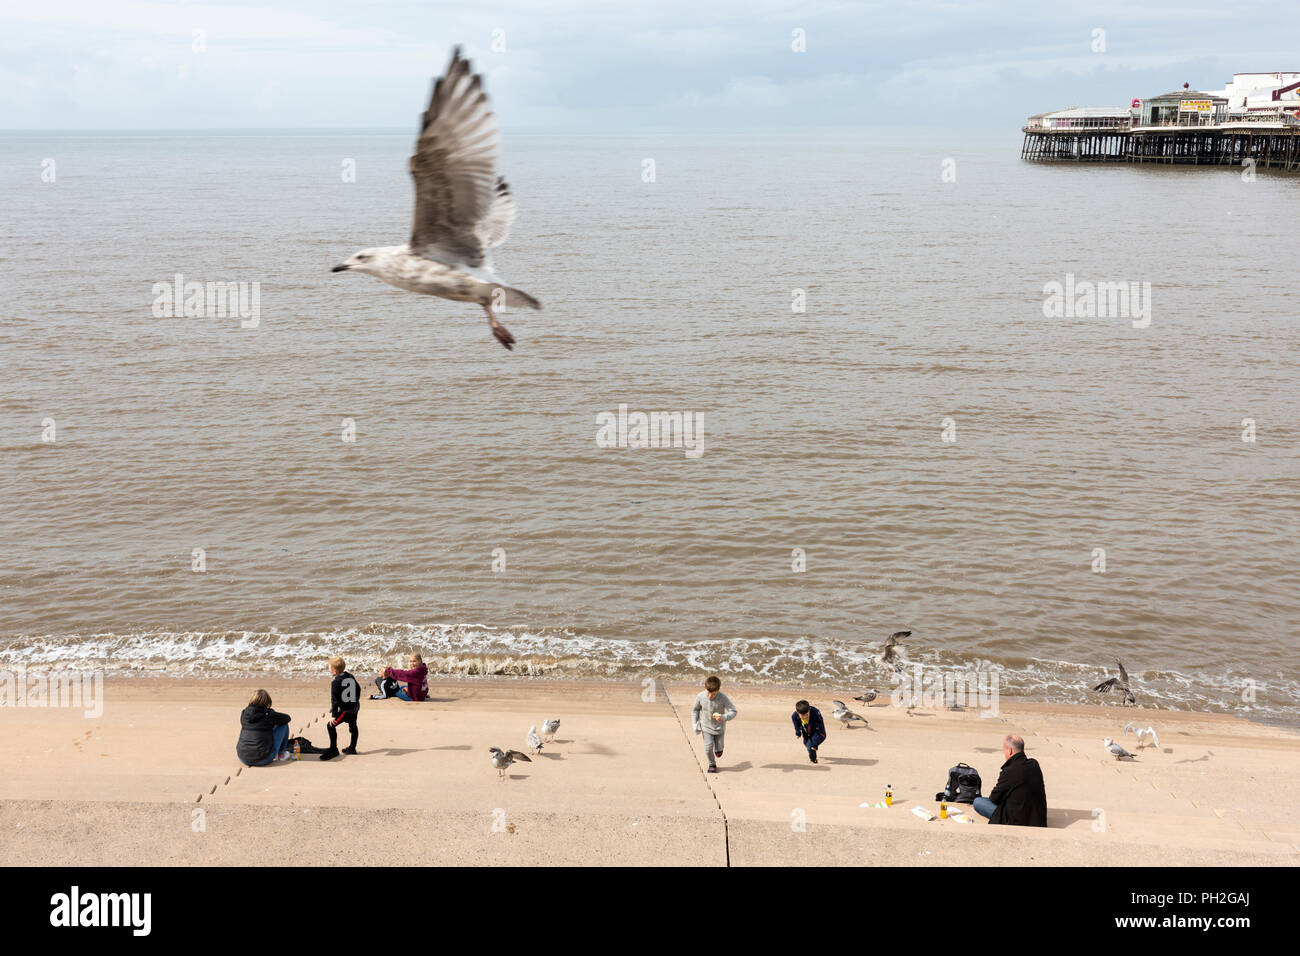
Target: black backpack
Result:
[963, 785]
[307, 746]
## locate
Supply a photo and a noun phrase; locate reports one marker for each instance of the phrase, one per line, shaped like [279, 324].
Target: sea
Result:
[899, 419]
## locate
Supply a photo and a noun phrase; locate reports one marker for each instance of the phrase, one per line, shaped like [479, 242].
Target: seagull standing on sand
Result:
[1119, 683]
[846, 716]
[549, 729]
[501, 759]
[462, 207]
[1115, 750]
[868, 697]
[533, 740]
[888, 658]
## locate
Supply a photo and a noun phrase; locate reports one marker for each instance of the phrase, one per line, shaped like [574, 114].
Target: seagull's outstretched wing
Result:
[455, 169]
[1123, 674]
[495, 227]
[1105, 686]
[519, 756]
[896, 638]
[839, 704]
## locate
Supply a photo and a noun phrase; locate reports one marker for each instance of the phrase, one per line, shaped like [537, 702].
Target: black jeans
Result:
[351, 721]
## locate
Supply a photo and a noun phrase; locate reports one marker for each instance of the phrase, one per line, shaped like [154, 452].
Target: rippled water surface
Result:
[822, 430]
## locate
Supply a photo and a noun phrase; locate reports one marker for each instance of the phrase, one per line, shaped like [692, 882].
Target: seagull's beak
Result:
[341, 268]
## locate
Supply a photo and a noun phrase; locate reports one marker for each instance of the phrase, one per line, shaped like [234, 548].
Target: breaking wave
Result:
[470, 650]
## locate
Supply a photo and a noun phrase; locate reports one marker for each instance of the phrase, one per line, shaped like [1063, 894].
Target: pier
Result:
[1186, 127]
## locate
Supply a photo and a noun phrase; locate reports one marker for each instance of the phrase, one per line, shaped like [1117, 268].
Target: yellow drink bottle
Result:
[943, 810]
[889, 794]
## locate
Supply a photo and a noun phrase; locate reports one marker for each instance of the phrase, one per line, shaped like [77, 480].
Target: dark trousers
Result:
[351, 721]
[813, 742]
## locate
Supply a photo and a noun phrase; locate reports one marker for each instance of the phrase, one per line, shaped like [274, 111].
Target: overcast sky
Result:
[583, 65]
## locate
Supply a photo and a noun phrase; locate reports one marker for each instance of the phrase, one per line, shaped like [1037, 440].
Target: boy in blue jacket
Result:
[809, 727]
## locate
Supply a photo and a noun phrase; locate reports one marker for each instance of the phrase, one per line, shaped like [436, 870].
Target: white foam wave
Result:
[471, 649]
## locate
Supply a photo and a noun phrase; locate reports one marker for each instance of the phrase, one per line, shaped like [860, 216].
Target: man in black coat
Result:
[1020, 798]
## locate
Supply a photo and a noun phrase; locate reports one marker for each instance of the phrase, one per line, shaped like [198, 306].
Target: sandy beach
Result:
[155, 780]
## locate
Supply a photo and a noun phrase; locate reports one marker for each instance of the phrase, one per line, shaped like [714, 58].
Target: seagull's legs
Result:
[500, 331]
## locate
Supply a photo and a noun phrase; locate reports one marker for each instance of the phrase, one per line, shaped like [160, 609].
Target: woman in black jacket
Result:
[263, 732]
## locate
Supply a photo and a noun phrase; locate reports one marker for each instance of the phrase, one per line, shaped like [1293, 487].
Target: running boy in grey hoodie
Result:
[716, 709]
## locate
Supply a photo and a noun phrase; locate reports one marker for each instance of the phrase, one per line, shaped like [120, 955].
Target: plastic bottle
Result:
[297, 750]
[943, 810]
[889, 794]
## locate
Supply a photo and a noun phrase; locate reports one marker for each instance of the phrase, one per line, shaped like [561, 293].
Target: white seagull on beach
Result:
[549, 729]
[462, 207]
[1118, 683]
[844, 715]
[867, 697]
[889, 658]
[533, 740]
[1115, 750]
[1142, 735]
[501, 759]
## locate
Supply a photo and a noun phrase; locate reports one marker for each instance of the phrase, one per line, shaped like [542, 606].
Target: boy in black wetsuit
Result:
[345, 702]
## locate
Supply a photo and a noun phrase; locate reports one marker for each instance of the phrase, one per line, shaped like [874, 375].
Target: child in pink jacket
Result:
[416, 679]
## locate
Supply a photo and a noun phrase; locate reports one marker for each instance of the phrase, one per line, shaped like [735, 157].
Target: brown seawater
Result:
[823, 430]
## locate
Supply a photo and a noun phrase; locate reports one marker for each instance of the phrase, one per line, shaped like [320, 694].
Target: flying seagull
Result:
[462, 207]
[1119, 683]
[867, 697]
[844, 715]
[1118, 752]
[888, 658]
[501, 759]
[533, 740]
[1142, 735]
[549, 729]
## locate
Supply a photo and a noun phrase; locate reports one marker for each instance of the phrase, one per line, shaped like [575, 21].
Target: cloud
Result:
[580, 65]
